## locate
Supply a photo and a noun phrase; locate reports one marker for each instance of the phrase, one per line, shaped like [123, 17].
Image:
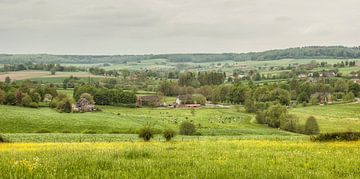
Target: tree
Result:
[26, 100]
[88, 97]
[169, 134]
[18, 98]
[7, 80]
[187, 128]
[239, 94]
[349, 97]
[280, 95]
[2, 96]
[146, 133]
[250, 106]
[53, 71]
[10, 98]
[311, 126]
[275, 114]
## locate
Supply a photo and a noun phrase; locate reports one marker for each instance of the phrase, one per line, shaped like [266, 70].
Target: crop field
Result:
[200, 159]
[42, 75]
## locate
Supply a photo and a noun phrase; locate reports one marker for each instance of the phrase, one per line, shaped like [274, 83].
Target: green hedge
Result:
[337, 136]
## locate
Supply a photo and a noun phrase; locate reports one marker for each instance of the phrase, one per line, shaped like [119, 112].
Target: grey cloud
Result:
[163, 26]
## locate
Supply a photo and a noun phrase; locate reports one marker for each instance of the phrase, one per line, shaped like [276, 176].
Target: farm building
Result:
[148, 101]
[83, 105]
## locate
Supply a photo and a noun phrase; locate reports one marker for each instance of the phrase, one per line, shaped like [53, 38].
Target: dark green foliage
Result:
[104, 96]
[43, 131]
[250, 106]
[26, 100]
[146, 133]
[187, 128]
[260, 117]
[311, 126]
[169, 134]
[88, 131]
[275, 114]
[337, 136]
[2, 96]
[10, 98]
[3, 139]
[62, 103]
[239, 94]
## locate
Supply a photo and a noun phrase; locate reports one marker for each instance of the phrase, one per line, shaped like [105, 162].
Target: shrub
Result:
[10, 98]
[88, 131]
[88, 97]
[311, 126]
[289, 123]
[275, 114]
[3, 139]
[260, 117]
[33, 105]
[187, 128]
[146, 133]
[341, 136]
[169, 134]
[2, 96]
[43, 131]
[250, 106]
[26, 100]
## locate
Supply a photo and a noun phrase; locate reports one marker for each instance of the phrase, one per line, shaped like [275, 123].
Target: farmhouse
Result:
[148, 101]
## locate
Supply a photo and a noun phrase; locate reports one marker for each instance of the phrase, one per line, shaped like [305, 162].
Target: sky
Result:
[174, 26]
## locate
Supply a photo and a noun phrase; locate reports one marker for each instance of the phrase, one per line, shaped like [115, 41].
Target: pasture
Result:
[200, 159]
[130, 120]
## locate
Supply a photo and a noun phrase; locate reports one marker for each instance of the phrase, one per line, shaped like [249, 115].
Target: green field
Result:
[204, 159]
[332, 118]
[130, 120]
[113, 122]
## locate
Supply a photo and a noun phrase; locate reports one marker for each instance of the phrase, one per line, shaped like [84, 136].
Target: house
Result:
[356, 81]
[328, 74]
[153, 101]
[183, 99]
[323, 97]
[83, 105]
[302, 76]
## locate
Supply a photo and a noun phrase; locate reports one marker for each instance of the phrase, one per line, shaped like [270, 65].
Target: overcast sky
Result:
[174, 26]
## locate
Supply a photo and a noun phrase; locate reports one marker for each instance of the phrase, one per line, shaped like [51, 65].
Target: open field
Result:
[33, 75]
[204, 159]
[130, 120]
[332, 118]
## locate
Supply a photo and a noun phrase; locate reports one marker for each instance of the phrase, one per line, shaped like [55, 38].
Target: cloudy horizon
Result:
[109, 27]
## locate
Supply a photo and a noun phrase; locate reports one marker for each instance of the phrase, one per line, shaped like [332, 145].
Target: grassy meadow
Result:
[204, 159]
[130, 120]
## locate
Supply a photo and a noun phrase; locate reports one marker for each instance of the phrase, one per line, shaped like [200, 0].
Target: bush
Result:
[311, 126]
[146, 133]
[2, 96]
[187, 128]
[169, 134]
[260, 117]
[26, 100]
[289, 123]
[43, 131]
[340, 136]
[33, 105]
[88, 131]
[275, 114]
[3, 139]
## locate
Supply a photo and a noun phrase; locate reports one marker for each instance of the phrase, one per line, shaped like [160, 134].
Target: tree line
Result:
[309, 52]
